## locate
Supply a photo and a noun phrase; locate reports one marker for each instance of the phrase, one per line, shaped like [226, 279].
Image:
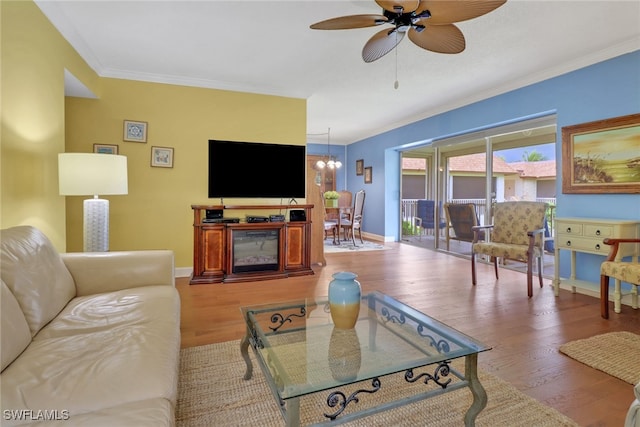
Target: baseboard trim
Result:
[184, 271]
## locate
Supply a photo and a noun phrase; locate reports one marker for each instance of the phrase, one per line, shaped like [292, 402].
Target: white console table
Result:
[586, 235]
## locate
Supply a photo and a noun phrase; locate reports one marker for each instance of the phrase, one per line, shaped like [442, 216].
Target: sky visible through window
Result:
[515, 154]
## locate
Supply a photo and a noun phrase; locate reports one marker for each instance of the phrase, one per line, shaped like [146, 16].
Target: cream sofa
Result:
[88, 339]
[633, 416]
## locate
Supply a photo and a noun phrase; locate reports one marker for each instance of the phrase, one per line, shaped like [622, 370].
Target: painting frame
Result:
[368, 175]
[360, 167]
[162, 157]
[595, 153]
[135, 131]
[105, 148]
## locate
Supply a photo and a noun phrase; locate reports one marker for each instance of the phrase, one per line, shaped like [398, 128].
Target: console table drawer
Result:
[598, 230]
[569, 228]
[582, 244]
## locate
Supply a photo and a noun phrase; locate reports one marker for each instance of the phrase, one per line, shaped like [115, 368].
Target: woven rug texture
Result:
[614, 353]
[211, 392]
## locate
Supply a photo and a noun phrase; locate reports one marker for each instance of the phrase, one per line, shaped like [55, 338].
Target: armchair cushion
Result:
[626, 271]
[505, 250]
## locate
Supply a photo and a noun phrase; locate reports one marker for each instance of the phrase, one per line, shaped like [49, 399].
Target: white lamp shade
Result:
[82, 174]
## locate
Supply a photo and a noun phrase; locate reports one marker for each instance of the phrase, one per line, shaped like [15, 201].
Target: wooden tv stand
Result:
[213, 243]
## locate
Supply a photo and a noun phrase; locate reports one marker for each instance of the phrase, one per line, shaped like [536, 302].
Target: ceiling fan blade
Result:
[439, 38]
[380, 44]
[449, 11]
[406, 5]
[348, 22]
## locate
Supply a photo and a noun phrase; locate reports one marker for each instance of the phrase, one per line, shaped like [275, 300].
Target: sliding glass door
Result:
[521, 161]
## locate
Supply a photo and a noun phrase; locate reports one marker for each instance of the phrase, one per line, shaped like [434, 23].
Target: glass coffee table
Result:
[393, 347]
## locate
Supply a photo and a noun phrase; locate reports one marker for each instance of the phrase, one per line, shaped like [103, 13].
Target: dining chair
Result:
[624, 271]
[516, 233]
[330, 224]
[354, 222]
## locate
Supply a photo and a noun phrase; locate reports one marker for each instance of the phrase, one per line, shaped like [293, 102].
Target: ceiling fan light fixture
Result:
[405, 16]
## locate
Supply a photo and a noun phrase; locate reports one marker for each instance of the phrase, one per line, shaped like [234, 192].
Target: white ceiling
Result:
[266, 47]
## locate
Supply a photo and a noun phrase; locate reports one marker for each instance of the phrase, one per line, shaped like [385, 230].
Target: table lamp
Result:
[83, 174]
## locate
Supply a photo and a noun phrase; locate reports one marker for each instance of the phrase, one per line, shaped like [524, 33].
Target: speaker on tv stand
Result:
[297, 215]
[214, 213]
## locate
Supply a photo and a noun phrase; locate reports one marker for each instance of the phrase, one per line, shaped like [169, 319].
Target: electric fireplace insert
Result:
[255, 250]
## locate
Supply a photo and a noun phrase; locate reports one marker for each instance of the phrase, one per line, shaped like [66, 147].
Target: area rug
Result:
[211, 392]
[348, 246]
[615, 353]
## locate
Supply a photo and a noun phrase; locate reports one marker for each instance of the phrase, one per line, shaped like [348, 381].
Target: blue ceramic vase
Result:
[344, 299]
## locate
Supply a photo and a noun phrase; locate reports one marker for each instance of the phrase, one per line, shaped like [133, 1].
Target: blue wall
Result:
[600, 91]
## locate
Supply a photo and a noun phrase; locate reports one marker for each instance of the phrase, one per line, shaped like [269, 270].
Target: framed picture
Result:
[368, 175]
[162, 157]
[105, 148]
[602, 156]
[359, 167]
[135, 131]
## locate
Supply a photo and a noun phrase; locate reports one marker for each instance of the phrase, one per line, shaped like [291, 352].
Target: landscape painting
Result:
[602, 156]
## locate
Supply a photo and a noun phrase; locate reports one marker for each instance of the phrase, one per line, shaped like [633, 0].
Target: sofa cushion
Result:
[145, 413]
[100, 352]
[35, 274]
[14, 330]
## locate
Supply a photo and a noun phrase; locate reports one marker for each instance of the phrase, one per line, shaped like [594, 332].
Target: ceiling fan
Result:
[429, 24]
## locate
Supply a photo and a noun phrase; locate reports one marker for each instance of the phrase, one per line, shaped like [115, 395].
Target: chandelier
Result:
[331, 163]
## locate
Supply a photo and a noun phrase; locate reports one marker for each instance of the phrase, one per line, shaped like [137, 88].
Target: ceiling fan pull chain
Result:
[396, 84]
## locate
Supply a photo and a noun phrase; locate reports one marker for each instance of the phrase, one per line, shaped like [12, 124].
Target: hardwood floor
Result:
[525, 333]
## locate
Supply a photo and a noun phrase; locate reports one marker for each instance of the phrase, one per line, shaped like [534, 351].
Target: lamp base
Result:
[96, 225]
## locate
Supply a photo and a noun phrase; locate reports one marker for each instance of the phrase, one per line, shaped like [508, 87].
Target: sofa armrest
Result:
[98, 272]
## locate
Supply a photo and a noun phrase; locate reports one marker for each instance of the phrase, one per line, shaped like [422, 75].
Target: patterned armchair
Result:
[621, 270]
[516, 233]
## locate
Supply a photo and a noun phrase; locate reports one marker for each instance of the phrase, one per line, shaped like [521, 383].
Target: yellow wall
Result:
[38, 123]
[157, 214]
[34, 56]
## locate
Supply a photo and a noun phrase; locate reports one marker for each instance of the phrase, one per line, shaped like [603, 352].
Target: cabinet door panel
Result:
[294, 247]
[214, 252]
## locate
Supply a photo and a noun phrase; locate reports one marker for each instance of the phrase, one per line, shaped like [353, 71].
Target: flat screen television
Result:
[256, 170]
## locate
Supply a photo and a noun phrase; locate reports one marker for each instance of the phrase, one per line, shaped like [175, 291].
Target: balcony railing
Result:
[410, 208]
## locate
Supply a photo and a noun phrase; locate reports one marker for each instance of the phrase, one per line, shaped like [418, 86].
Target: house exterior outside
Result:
[465, 178]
